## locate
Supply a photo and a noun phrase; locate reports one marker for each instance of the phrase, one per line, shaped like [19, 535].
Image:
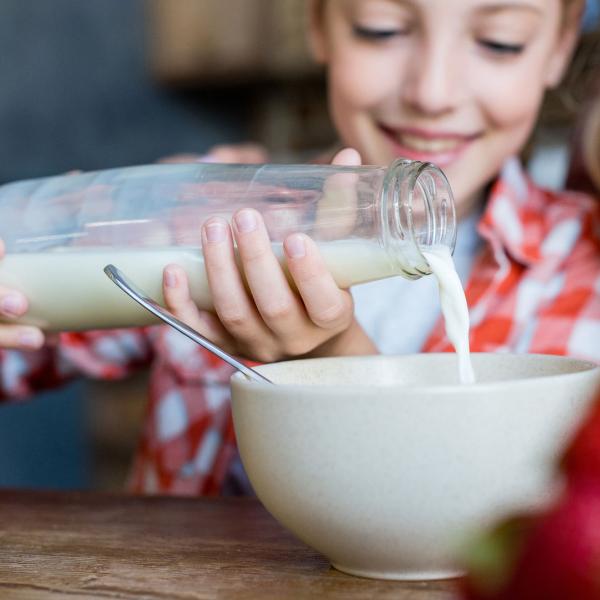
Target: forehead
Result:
[453, 6]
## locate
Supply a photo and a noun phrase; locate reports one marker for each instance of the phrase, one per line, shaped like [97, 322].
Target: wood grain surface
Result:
[91, 546]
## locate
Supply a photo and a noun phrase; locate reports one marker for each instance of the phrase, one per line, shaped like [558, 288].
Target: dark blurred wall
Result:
[75, 92]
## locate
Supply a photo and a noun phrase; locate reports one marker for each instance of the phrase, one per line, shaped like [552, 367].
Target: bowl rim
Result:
[589, 369]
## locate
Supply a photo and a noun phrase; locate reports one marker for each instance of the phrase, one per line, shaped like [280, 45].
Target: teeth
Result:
[423, 145]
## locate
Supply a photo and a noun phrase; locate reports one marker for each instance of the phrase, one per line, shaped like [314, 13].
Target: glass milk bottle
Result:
[59, 232]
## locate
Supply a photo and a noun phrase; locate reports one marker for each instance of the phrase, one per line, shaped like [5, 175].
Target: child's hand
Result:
[269, 321]
[225, 153]
[14, 304]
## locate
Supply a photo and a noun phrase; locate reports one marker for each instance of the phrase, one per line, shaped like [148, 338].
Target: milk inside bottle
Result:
[68, 290]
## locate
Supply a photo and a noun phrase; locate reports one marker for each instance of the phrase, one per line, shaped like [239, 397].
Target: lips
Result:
[441, 148]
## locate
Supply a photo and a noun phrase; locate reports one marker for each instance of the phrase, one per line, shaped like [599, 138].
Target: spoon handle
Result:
[119, 279]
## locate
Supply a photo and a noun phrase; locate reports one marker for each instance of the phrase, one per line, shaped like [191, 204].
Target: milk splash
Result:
[454, 307]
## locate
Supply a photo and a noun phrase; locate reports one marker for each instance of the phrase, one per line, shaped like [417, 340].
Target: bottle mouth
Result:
[419, 214]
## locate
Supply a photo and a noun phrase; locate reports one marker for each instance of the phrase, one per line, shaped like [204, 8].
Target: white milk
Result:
[454, 308]
[68, 290]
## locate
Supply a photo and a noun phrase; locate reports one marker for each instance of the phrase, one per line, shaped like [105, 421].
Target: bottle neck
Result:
[417, 210]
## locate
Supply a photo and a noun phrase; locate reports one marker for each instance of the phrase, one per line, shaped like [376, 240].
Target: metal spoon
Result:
[119, 279]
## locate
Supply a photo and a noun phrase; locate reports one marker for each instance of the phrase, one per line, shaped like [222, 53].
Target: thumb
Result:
[348, 157]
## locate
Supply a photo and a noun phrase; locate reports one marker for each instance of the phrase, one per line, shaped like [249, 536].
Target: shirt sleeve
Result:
[110, 354]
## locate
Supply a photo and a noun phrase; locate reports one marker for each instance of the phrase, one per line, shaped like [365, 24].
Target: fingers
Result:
[266, 316]
[327, 306]
[336, 213]
[181, 158]
[260, 313]
[347, 157]
[177, 296]
[20, 337]
[233, 304]
[178, 301]
[238, 153]
[278, 305]
[233, 153]
[251, 153]
[12, 303]
[260, 308]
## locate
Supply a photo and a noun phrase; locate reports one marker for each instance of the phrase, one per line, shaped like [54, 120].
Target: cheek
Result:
[511, 102]
[359, 80]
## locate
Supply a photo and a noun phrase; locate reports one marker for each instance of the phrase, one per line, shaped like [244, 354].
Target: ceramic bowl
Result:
[385, 464]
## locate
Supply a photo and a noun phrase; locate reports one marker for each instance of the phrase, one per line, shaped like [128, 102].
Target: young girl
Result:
[455, 83]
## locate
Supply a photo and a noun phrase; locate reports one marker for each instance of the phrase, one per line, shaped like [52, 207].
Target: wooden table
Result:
[93, 546]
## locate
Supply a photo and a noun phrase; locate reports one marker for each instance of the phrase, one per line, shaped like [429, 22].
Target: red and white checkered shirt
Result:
[535, 287]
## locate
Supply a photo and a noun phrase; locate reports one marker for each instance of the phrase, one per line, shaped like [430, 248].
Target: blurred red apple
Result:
[555, 555]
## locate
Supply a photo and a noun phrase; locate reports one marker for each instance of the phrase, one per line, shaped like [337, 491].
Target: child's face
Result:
[457, 83]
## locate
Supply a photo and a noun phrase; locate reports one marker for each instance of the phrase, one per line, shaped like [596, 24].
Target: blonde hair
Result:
[575, 103]
[590, 146]
[586, 82]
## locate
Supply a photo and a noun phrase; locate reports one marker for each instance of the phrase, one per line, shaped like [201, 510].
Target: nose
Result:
[433, 84]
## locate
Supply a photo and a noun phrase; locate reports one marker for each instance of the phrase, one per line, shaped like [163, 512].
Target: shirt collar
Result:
[523, 219]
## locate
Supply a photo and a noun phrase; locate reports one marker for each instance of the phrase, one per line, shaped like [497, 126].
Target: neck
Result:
[469, 205]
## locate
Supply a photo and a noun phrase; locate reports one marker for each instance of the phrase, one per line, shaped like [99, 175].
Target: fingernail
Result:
[245, 221]
[215, 231]
[294, 246]
[170, 278]
[30, 339]
[13, 304]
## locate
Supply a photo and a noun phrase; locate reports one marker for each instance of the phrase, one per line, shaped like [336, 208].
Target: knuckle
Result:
[180, 306]
[232, 318]
[279, 311]
[331, 316]
[224, 152]
[173, 298]
[297, 346]
[253, 253]
[265, 354]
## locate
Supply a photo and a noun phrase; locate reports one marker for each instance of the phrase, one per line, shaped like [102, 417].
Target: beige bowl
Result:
[385, 465]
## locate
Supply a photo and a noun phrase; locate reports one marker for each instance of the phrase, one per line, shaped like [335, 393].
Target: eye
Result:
[366, 33]
[501, 48]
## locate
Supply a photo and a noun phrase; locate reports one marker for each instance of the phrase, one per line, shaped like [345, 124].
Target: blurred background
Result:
[97, 84]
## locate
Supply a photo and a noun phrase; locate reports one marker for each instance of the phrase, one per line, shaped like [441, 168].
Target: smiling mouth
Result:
[428, 143]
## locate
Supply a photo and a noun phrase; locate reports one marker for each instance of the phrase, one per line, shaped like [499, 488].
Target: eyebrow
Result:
[492, 8]
[496, 8]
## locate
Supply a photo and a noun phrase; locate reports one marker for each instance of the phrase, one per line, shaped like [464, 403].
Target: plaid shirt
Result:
[535, 287]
